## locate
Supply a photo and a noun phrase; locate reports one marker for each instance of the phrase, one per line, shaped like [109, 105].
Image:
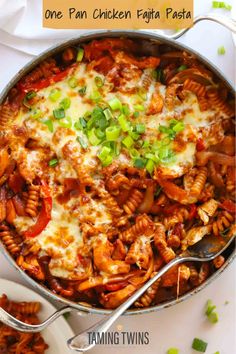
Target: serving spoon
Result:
[203, 251]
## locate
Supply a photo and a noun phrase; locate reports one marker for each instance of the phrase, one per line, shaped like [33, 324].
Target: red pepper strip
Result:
[116, 286]
[200, 146]
[44, 216]
[192, 211]
[229, 206]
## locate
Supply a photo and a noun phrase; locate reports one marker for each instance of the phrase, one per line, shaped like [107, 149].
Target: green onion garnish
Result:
[139, 107]
[115, 104]
[104, 156]
[210, 312]
[178, 127]
[36, 114]
[140, 162]
[136, 114]
[99, 81]
[65, 103]
[108, 114]
[81, 124]
[59, 113]
[54, 95]
[80, 55]
[134, 153]
[134, 135]
[217, 352]
[92, 137]
[100, 133]
[53, 162]
[173, 351]
[199, 345]
[30, 95]
[221, 50]
[49, 124]
[125, 125]
[125, 110]
[221, 5]
[112, 133]
[66, 123]
[128, 141]
[83, 143]
[82, 91]
[140, 128]
[181, 68]
[145, 144]
[150, 166]
[72, 82]
[95, 96]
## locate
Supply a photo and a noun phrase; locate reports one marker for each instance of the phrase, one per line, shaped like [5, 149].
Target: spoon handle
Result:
[82, 342]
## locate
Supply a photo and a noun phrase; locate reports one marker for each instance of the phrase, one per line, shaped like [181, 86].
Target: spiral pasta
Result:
[32, 200]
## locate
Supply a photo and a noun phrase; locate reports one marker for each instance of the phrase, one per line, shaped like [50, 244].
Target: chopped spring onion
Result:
[92, 137]
[80, 54]
[199, 345]
[134, 135]
[134, 153]
[125, 110]
[217, 352]
[99, 81]
[112, 133]
[213, 317]
[104, 156]
[140, 128]
[72, 82]
[152, 157]
[65, 103]
[181, 68]
[145, 144]
[136, 114]
[140, 162]
[139, 107]
[125, 125]
[36, 114]
[53, 162]
[66, 122]
[82, 90]
[150, 166]
[100, 133]
[221, 5]
[210, 312]
[30, 95]
[49, 124]
[178, 127]
[173, 351]
[59, 113]
[115, 104]
[128, 141]
[83, 143]
[81, 124]
[95, 96]
[108, 114]
[54, 95]
[221, 50]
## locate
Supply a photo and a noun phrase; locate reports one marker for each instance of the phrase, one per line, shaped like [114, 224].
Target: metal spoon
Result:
[205, 250]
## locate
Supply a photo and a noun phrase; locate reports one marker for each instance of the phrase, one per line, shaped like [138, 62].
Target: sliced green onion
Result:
[166, 141]
[140, 128]
[73, 82]
[108, 114]
[139, 107]
[136, 114]
[98, 81]
[213, 317]
[140, 162]
[217, 352]
[145, 144]
[115, 104]
[199, 345]
[54, 95]
[49, 124]
[92, 137]
[53, 162]
[59, 113]
[164, 129]
[128, 141]
[134, 153]
[80, 55]
[36, 114]
[134, 135]
[125, 125]
[221, 5]
[221, 50]
[181, 68]
[83, 143]
[107, 161]
[150, 166]
[30, 95]
[112, 133]
[100, 133]
[82, 91]
[65, 103]
[173, 351]
[125, 110]
[104, 156]
[66, 122]
[95, 96]
[152, 157]
[178, 127]
[209, 307]
[81, 124]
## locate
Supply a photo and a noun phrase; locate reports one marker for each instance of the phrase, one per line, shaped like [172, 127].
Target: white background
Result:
[178, 325]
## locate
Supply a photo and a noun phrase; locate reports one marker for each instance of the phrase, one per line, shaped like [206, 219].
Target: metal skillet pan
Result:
[148, 46]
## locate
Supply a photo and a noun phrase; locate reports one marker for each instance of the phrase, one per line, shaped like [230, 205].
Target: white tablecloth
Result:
[178, 325]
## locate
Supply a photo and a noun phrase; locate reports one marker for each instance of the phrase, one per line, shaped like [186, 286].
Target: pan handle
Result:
[222, 20]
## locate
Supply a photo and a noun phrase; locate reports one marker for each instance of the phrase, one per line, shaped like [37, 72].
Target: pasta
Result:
[12, 341]
[112, 163]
